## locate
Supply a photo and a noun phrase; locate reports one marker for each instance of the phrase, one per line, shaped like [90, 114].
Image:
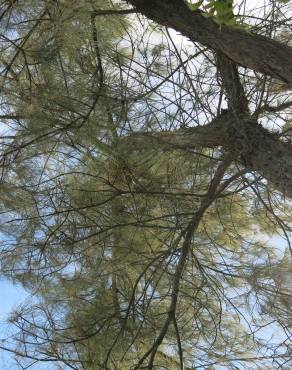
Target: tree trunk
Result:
[253, 51]
[253, 146]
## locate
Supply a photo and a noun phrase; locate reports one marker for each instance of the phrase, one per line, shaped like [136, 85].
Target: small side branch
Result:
[232, 85]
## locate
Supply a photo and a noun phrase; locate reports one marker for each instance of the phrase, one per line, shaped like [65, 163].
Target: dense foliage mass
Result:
[145, 185]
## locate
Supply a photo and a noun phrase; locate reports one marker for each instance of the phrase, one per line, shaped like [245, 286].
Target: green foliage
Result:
[94, 226]
[196, 5]
[221, 12]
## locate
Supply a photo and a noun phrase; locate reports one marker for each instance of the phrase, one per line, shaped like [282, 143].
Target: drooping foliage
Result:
[150, 256]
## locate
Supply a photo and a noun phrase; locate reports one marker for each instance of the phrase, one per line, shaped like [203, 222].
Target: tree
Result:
[141, 174]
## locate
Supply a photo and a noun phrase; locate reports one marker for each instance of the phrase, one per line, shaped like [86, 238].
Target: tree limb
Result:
[253, 51]
[253, 146]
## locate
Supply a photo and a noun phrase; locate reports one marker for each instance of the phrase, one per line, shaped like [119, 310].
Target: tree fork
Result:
[254, 147]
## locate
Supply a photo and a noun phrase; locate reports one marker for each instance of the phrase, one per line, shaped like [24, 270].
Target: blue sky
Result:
[11, 296]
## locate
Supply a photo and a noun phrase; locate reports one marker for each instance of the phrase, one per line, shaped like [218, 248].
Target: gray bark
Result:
[254, 147]
[253, 51]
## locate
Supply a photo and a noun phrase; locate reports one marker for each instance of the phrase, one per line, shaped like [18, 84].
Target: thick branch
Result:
[253, 146]
[202, 136]
[253, 51]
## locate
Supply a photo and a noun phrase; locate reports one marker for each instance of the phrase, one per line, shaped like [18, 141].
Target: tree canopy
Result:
[146, 183]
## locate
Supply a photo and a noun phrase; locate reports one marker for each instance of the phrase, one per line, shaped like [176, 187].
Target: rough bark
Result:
[253, 146]
[250, 50]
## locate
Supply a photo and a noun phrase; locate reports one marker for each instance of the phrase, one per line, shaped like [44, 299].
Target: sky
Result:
[12, 295]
